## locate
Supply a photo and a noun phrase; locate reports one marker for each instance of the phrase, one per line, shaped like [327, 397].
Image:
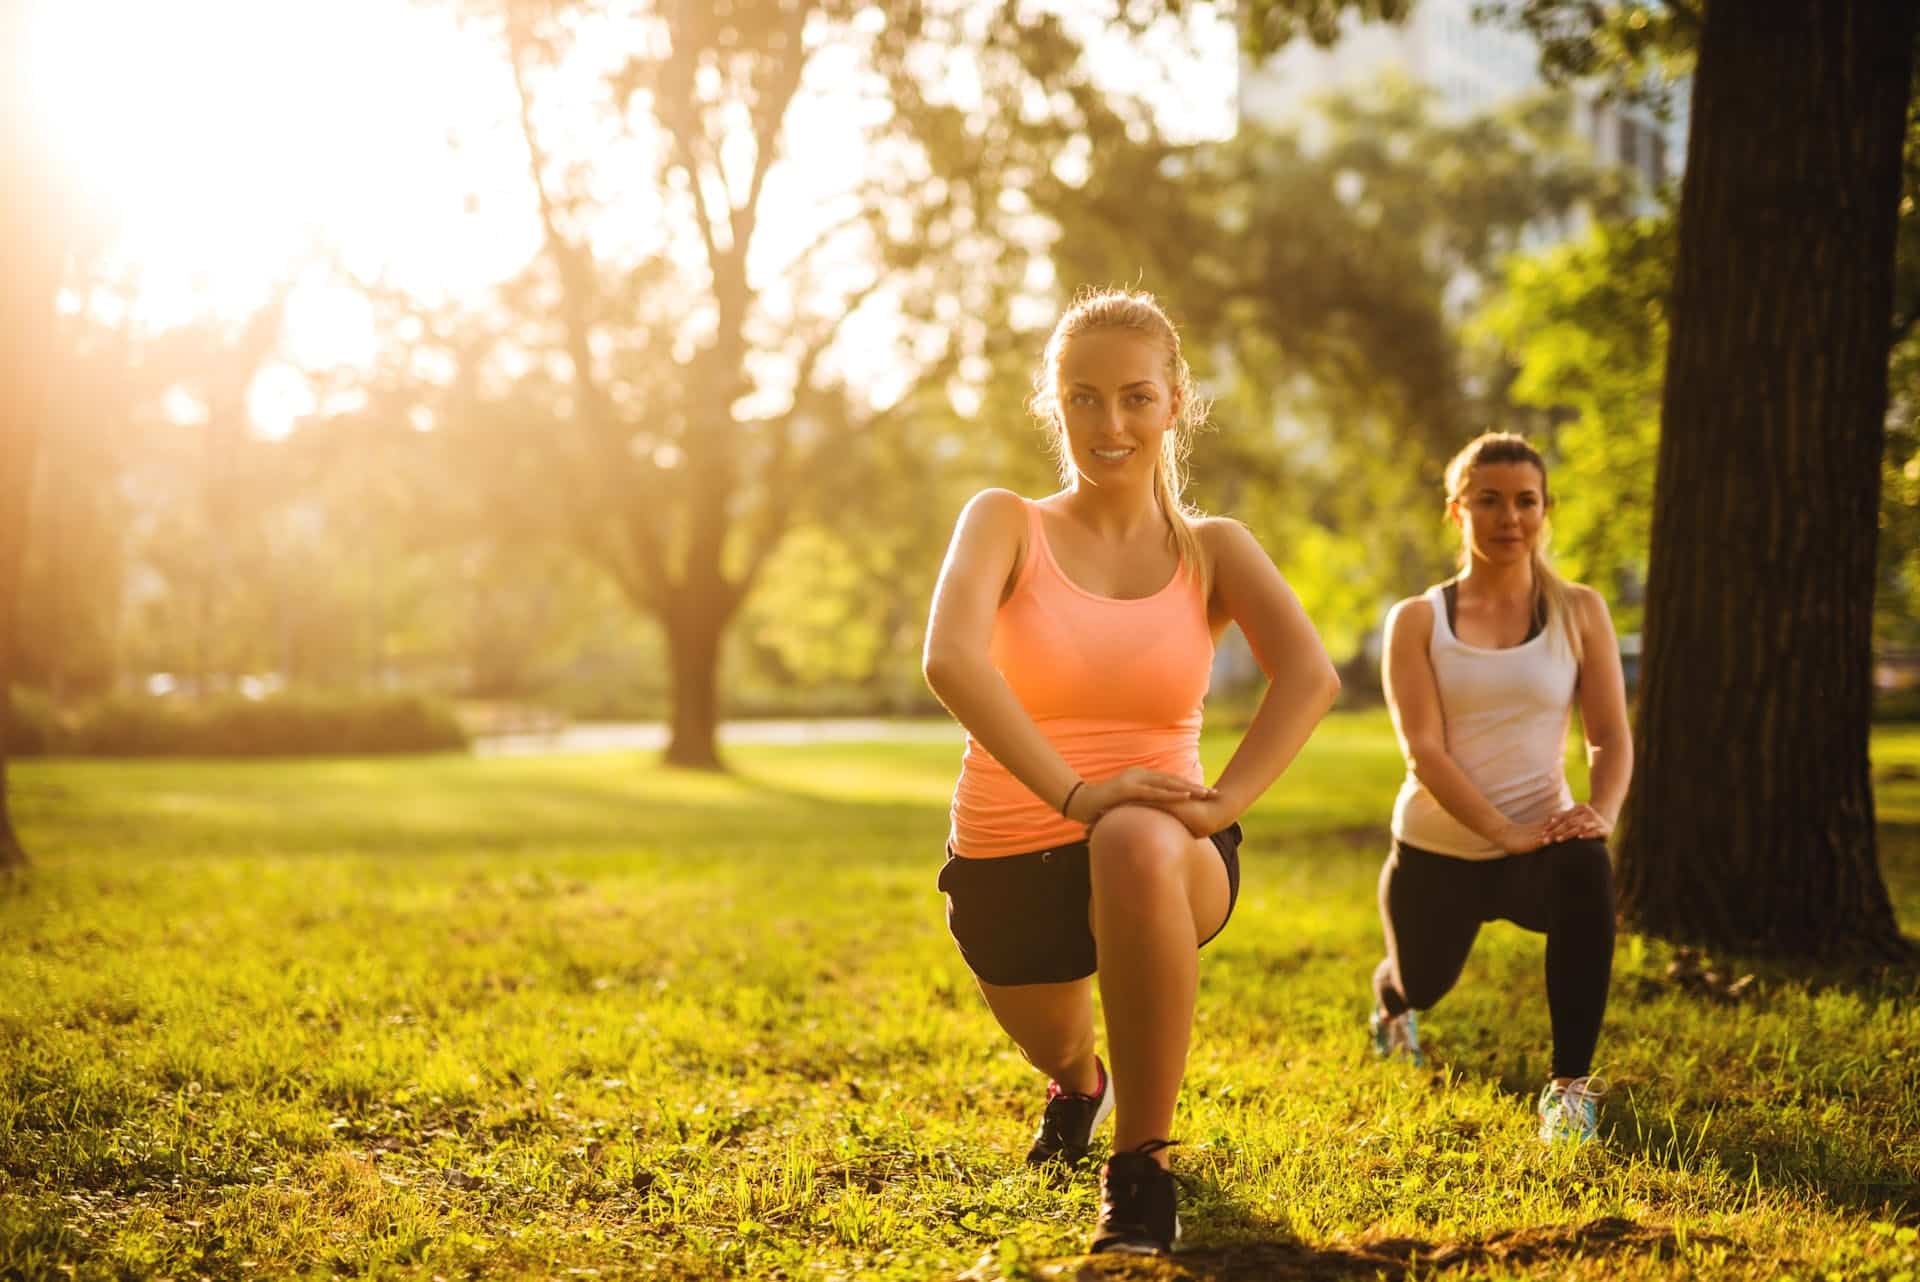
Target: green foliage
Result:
[1584, 326]
[504, 1018]
[77, 549]
[1313, 279]
[1641, 50]
[1897, 705]
[29, 722]
[1897, 604]
[231, 726]
[1271, 24]
[820, 612]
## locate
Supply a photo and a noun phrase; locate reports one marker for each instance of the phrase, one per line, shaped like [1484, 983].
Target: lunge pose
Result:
[1072, 637]
[1481, 674]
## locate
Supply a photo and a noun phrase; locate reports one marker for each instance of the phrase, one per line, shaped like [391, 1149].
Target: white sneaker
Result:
[1396, 1035]
[1572, 1112]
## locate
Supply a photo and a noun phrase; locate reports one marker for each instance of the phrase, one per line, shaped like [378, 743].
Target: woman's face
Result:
[1501, 512]
[1115, 403]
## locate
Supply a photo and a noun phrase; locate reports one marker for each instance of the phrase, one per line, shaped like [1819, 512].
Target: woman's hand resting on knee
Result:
[1518, 839]
[1203, 818]
[1578, 821]
[1136, 786]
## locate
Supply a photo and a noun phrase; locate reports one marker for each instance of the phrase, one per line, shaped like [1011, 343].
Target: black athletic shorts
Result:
[1022, 919]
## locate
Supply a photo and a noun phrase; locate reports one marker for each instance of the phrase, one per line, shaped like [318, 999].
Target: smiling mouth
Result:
[1112, 456]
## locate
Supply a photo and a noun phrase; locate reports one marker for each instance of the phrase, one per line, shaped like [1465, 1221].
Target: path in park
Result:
[651, 736]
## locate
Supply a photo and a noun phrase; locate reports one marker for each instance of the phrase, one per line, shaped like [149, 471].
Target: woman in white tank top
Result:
[1481, 676]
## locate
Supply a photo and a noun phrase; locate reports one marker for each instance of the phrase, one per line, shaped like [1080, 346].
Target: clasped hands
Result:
[1195, 805]
[1567, 825]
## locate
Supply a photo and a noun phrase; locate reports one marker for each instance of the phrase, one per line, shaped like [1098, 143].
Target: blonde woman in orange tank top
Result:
[1072, 637]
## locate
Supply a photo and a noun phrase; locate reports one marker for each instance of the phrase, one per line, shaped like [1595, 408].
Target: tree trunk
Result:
[1751, 823]
[19, 446]
[32, 257]
[694, 626]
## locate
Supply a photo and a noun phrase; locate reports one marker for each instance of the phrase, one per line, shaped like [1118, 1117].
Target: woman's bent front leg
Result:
[1052, 1024]
[1157, 893]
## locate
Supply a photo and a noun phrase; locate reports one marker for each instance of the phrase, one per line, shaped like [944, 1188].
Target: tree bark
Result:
[694, 628]
[31, 262]
[1751, 824]
[21, 374]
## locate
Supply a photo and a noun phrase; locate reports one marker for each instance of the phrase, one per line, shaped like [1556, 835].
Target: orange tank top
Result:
[1111, 684]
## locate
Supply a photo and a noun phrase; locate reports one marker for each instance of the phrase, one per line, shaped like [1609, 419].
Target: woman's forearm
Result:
[1288, 712]
[980, 699]
[1609, 772]
[1442, 776]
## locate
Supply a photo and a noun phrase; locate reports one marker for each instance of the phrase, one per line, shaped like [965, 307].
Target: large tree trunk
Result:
[20, 412]
[694, 628]
[31, 261]
[1751, 823]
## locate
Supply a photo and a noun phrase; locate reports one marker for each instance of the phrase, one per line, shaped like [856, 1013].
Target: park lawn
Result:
[492, 1018]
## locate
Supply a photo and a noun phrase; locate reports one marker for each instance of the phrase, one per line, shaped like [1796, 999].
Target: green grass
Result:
[458, 1018]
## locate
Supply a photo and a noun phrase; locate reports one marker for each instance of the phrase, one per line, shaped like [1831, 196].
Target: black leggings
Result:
[1432, 905]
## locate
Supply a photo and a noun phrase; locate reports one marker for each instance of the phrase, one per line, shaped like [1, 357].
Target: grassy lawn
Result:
[461, 1018]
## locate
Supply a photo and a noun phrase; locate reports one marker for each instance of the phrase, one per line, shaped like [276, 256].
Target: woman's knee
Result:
[1422, 991]
[1051, 1049]
[1582, 872]
[1135, 844]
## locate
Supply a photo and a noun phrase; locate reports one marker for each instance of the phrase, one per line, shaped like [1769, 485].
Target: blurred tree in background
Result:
[34, 233]
[700, 391]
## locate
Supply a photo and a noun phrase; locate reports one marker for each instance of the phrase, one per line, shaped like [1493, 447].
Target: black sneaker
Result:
[1137, 1211]
[1066, 1128]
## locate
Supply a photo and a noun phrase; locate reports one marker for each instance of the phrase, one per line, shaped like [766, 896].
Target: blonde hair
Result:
[1094, 310]
[1548, 586]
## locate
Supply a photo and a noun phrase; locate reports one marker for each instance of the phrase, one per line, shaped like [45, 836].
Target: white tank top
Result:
[1505, 714]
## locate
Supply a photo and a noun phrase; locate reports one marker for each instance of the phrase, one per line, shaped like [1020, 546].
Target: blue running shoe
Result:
[1571, 1113]
[1397, 1035]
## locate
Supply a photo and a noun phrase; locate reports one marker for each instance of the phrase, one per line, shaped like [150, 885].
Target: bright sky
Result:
[237, 146]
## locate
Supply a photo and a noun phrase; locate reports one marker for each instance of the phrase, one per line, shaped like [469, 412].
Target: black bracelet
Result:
[1077, 785]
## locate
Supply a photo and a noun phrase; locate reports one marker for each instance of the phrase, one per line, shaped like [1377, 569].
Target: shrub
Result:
[1897, 705]
[232, 726]
[31, 724]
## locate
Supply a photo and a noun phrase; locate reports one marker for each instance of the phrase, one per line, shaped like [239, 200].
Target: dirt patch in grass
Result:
[1363, 1258]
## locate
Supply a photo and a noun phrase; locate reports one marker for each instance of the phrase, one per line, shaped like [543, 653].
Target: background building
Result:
[1470, 67]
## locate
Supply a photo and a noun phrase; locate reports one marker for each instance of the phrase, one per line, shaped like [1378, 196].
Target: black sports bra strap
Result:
[1451, 590]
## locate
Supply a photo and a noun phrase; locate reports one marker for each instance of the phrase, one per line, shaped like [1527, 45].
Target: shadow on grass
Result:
[1815, 1167]
[1737, 1137]
[1741, 1136]
[297, 817]
[1283, 1260]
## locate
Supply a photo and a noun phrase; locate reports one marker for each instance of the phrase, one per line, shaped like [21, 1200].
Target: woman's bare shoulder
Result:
[1414, 613]
[1589, 605]
[996, 503]
[1223, 537]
